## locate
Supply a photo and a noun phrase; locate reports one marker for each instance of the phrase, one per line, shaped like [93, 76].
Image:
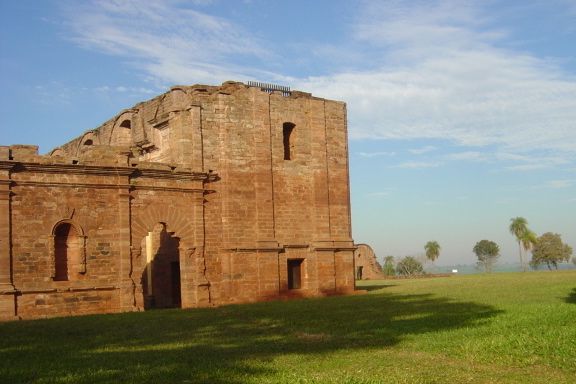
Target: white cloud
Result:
[557, 184]
[420, 151]
[526, 167]
[379, 194]
[166, 39]
[472, 99]
[442, 76]
[376, 154]
[468, 156]
[416, 165]
[54, 93]
[142, 91]
[432, 70]
[510, 161]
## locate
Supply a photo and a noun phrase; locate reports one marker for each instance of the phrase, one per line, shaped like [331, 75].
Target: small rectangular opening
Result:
[287, 129]
[175, 284]
[295, 273]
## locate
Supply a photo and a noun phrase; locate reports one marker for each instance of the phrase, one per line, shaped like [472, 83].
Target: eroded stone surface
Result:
[366, 264]
[205, 195]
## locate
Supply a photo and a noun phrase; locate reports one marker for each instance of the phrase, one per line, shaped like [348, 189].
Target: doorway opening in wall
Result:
[161, 278]
[295, 273]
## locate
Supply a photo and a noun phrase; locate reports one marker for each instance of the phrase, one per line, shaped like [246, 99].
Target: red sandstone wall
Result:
[365, 257]
[42, 195]
[271, 209]
[237, 230]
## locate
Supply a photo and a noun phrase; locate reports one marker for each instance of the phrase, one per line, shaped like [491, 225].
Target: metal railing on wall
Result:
[266, 87]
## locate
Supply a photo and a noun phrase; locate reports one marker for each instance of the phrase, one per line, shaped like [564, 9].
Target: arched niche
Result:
[122, 130]
[67, 251]
[88, 139]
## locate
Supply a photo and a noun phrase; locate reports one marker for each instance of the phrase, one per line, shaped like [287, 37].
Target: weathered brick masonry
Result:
[366, 264]
[205, 195]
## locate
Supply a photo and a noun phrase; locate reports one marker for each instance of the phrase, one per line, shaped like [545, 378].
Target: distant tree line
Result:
[547, 249]
[410, 265]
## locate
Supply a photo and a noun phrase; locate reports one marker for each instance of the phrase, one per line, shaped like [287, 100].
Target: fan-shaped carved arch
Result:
[76, 226]
[177, 223]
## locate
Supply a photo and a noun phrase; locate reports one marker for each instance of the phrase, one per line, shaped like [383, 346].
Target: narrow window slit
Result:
[287, 129]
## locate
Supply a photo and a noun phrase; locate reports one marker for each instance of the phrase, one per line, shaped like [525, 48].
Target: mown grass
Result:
[499, 328]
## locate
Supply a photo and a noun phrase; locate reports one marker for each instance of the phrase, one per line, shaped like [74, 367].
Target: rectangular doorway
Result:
[175, 284]
[295, 273]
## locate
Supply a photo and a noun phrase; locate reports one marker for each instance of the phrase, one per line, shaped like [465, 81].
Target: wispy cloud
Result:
[510, 161]
[125, 89]
[442, 73]
[468, 156]
[420, 151]
[437, 69]
[166, 39]
[416, 165]
[531, 163]
[53, 93]
[526, 167]
[376, 154]
[379, 194]
[556, 184]
[56, 93]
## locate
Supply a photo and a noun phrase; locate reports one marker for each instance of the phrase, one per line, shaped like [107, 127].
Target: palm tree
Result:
[519, 228]
[528, 241]
[389, 266]
[432, 250]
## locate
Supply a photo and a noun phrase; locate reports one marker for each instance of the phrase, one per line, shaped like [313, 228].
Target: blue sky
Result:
[462, 114]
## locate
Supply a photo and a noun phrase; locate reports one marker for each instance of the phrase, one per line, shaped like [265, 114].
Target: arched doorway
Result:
[161, 277]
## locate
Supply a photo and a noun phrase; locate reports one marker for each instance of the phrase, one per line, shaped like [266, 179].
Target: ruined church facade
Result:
[205, 195]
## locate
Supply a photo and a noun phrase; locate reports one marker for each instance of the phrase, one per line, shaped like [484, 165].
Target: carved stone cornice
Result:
[256, 249]
[170, 174]
[70, 184]
[134, 172]
[74, 169]
[335, 248]
[6, 165]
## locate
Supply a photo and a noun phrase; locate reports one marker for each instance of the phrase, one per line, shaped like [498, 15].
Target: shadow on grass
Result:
[571, 298]
[222, 345]
[373, 287]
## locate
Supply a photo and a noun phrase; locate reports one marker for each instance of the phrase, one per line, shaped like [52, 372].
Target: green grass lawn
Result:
[498, 328]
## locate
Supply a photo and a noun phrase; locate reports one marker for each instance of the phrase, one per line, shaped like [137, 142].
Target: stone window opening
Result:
[126, 124]
[287, 129]
[89, 142]
[68, 252]
[295, 273]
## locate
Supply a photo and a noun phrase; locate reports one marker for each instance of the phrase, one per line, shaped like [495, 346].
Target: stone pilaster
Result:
[262, 168]
[7, 291]
[125, 281]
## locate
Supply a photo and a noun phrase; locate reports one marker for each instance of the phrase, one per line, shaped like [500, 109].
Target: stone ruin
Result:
[202, 196]
[366, 265]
